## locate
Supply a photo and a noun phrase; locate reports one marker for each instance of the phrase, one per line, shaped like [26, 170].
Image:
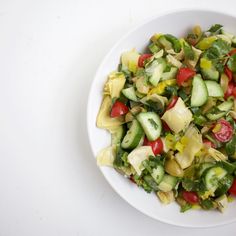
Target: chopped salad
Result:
[171, 113]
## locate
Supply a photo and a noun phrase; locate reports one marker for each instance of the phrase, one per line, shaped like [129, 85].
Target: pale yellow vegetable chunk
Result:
[114, 85]
[138, 155]
[192, 147]
[104, 120]
[106, 156]
[178, 117]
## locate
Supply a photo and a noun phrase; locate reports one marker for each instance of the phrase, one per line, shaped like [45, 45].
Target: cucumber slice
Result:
[168, 183]
[151, 124]
[214, 89]
[166, 44]
[158, 173]
[151, 182]
[212, 176]
[211, 74]
[174, 41]
[169, 75]
[130, 94]
[133, 136]
[224, 185]
[215, 116]
[226, 106]
[155, 70]
[199, 93]
[117, 135]
[203, 167]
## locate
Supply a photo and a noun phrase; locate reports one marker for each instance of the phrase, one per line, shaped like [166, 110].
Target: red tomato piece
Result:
[184, 74]
[157, 145]
[234, 92]
[118, 109]
[165, 126]
[232, 52]
[190, 197]
[232, 189]
[225, 133]
[229, 90]
[209, 143]
[142, 58]
[228, 72]
[172, 102]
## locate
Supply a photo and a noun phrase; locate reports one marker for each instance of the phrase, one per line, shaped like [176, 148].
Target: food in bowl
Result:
[171, 113]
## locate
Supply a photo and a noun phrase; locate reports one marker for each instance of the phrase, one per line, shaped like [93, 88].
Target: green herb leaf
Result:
[188, 52]
[185, 207]
[207, 204]
[215, 28]
[232, 63]
[230, 147]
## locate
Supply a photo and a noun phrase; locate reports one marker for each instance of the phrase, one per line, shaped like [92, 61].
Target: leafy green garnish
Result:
[230, 147]
[215, 28]
[185, 207]
[188, 52]
[207, 204]
[232, 63]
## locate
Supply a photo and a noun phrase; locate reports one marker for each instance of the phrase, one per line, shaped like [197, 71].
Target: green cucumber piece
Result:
[155, 70]
[168, 183]
[118, 135]
[215, 116]
[224, 185]
[151, 182]
[151, 124]
[203, 167]
[199, 93]
[212, 176]
[166, 44]
[130, 94]
[170, 74]
[158, 173]
[133, 136]
[211, 74]
[226, 106]
[174, 41]
[214, 89]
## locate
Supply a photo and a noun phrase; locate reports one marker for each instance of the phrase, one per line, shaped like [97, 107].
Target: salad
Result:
[171, 113]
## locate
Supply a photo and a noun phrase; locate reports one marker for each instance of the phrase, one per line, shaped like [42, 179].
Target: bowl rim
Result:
[90, 98]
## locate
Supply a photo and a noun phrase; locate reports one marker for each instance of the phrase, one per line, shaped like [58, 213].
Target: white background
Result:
[49, 182]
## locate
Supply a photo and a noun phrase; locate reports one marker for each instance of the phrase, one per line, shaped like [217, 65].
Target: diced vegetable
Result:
[119, 109]
[151, 124]
[214, 89]
[178, 117]
[137, 156]
[199, 93]
[184, 74]
[133, 136]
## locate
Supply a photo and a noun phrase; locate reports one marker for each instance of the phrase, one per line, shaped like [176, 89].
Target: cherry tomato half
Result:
[232, 189]
[165, 126]
[234, 92]
[190, 197]
[229, 90]
[225, 133]
[172, 102]
[232, 52]
[157, 145]
[209, 143]
[228, 72]
[118, 109]
[142, 58]
[184, 74]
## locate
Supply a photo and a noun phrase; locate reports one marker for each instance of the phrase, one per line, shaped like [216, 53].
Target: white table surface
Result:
[49, 182]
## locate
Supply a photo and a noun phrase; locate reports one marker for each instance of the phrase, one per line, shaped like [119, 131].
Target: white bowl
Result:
[176, 23]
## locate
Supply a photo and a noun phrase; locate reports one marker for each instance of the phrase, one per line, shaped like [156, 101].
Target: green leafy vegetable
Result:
[232, 63]
[230, 147]
[215, 28]
[188, 52]
[185, 207]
